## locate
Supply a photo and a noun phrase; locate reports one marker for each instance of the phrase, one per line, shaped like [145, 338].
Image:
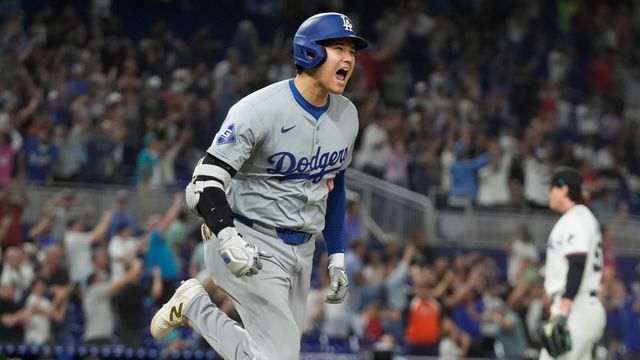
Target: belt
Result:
[288, 236]
[592, 293]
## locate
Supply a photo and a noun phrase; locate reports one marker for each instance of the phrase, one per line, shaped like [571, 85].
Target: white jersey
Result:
[78, 251]
[286, 159]
[38, 326]
[576, 232]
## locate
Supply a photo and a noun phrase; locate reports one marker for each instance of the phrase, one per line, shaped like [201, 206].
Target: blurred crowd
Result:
[473, 103]
[85, 278]
[71, 280]
[479, 103]
[453, 303]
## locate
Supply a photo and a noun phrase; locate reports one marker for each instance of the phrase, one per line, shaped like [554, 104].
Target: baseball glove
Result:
[556, 337]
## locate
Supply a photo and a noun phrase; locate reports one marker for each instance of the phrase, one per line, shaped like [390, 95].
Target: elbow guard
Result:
[210, 172]
[205, 194]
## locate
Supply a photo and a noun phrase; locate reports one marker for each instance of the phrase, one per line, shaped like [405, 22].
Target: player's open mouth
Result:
[341, 74]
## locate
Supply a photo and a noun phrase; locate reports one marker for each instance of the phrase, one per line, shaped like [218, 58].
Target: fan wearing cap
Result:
[573, 266]
[272, 180]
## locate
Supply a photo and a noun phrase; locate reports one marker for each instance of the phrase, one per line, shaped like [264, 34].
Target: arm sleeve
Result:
[398, 275]
[334, 217]
[215, 210]
[574, 275]
[480, 161]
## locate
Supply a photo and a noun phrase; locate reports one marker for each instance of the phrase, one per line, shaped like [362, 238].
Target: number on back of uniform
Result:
[598, 258]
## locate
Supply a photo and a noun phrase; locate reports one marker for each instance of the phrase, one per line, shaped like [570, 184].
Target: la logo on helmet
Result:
[346, 23]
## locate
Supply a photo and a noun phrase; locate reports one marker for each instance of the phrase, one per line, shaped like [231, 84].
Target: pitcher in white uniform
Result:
[275, 173]
[573, 266]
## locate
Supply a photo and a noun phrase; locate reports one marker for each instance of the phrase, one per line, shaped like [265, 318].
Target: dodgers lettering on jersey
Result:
[286, 159]
[287, 167]
[576, 232]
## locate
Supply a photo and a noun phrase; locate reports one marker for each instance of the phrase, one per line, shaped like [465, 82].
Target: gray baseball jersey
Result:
[286, 159]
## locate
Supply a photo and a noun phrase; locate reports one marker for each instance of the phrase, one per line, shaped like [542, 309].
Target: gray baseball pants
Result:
[272, 304]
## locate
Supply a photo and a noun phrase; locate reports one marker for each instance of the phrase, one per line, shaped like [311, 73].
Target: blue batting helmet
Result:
[308, 52]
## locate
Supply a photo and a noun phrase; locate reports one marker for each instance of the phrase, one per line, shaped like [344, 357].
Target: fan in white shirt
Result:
[78, 243]
[123, 248]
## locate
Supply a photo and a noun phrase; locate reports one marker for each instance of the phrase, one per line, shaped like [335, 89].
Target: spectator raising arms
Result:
[158, 253]
[100, 320]
[79, 243]
[42, 311]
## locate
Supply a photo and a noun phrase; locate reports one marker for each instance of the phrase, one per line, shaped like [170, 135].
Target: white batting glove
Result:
[241, 259]
[339, 279]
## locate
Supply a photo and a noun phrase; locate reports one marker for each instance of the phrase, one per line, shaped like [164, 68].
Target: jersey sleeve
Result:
[237, 136]
[575, 237]
[355, 125]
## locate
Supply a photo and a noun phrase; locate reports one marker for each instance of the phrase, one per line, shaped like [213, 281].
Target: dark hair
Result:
[575, 194]
[92, 278]
[73, 220]
[525, 232]
[570, 177]
[6, 136]
[96, 249]
[122, 227]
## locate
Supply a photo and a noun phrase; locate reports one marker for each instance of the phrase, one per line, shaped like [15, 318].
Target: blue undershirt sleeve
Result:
[334, 218]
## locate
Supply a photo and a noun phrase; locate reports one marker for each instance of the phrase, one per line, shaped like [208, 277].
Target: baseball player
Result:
[573, 272]
[272, 180]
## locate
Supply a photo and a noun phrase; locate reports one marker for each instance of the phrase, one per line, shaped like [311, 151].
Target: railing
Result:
[99, 199]
[396, 211]
[389, 212]
[481, 229]
[492, 229]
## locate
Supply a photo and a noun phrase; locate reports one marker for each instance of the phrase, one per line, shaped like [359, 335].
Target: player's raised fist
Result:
[240, 258]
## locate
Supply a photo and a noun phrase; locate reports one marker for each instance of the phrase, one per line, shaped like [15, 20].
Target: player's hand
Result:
[556, 337]
[241, 259]
[339, 279]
